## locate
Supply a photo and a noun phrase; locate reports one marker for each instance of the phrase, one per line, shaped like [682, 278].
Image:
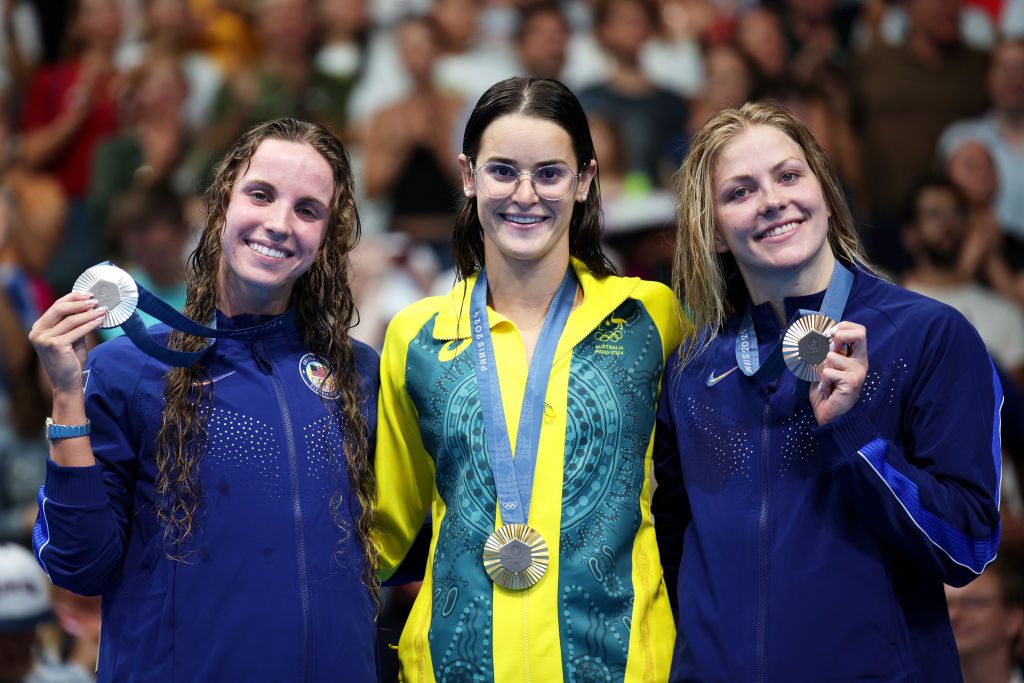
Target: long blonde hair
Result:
[708, 282]
[325, 312]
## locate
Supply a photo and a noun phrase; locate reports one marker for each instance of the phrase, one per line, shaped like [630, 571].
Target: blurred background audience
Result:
[113, 112]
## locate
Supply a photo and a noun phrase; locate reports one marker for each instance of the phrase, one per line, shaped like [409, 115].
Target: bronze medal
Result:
[806, 345]
[515, 556]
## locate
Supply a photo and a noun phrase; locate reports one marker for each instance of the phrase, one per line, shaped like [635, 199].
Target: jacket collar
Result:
[601, 296]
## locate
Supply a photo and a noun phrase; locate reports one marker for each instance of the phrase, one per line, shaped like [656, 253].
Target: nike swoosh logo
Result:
[452, 349]
[214, 379]
[713, 380]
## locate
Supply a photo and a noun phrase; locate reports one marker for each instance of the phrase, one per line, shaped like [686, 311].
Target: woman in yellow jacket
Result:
[518, 409]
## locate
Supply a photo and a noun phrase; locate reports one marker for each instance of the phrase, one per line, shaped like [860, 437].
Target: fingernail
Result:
[101, 308]
[821, 387]
[92, 302]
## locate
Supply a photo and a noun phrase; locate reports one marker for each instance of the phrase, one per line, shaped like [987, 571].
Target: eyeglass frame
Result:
[519, 176]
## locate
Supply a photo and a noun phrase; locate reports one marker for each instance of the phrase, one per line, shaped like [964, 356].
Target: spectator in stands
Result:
[69, 110]
[171, 28]
[468, 65]
[905, 97]
[729, 82]
[408, 153]
[150, 233]
[542, 39]
[760, 37]
[935, 237]
[24, 604]
[32, 213]
[650, 119]
[1001, 130]
[987, 616]
[342, 52]
[988, 254]
[285, 81]
[153, 141]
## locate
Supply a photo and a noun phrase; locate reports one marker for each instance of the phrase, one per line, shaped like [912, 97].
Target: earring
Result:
[584, 196]
[466, 190]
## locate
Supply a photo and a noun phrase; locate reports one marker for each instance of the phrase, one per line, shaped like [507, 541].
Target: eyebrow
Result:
[270, 186]
[513, 162]
[773, 169]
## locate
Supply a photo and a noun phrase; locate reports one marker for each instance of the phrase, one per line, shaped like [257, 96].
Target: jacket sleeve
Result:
[81, 531]
[670, 505]
[404, 470]
[932, 491]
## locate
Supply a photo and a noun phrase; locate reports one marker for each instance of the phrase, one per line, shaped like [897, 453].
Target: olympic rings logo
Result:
[610, 331]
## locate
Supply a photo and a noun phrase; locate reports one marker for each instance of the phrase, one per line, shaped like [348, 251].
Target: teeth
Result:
[781, 230]
[523, 220]
[266, 251]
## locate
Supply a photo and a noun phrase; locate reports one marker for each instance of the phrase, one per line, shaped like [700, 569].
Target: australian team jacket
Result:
[601, 612]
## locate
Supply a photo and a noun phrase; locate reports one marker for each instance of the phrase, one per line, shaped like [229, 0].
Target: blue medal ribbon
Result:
[135, 329]
[838, 291]
[513, 476]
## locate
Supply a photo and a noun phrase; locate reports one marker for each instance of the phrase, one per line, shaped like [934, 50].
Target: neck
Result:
[627, 78]
[778, 285]
[990, 667]
[237, 299]
[522, 291]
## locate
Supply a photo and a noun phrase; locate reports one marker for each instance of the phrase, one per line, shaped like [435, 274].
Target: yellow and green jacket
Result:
[601, 612]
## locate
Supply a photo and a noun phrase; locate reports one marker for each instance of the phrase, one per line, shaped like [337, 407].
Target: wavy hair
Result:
[541, 98]
[709, 283]
[325, 313]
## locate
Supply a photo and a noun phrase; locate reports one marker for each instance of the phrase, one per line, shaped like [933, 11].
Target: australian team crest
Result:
[315, 375]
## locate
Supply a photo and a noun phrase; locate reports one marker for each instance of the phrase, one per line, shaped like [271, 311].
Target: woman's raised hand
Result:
[843, 374]
[59, 338]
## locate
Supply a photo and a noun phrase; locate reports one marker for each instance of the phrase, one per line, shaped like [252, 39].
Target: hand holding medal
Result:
[841, 375]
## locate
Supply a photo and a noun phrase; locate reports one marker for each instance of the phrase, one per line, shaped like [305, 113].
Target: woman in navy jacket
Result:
[808, 526]
[223, 510]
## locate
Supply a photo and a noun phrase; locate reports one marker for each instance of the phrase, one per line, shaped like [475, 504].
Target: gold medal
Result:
[515, 556]
[111, 287]
[806, 345]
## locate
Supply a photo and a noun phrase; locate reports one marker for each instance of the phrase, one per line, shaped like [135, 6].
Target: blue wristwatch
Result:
[54, 431]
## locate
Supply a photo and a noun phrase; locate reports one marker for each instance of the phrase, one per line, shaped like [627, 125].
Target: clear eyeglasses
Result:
[498, 180]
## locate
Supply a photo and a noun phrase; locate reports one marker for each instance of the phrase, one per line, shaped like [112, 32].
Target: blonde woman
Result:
[810, 502]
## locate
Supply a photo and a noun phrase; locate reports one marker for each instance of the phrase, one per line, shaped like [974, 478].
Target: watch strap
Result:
[56, 431]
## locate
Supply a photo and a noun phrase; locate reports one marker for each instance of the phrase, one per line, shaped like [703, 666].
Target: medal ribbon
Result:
[513, 476]
[838, 291]
[135, 329]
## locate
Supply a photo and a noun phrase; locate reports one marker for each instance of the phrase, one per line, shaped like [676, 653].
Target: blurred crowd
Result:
[114, 112]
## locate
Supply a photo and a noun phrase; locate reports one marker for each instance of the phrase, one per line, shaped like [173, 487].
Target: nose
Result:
[277, 221]
[525, 192]
[771, 199]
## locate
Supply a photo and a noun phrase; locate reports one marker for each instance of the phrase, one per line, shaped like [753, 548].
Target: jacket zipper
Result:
[762, 553]
[300, 540]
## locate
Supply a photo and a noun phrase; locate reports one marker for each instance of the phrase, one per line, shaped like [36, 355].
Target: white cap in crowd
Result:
[24, 590]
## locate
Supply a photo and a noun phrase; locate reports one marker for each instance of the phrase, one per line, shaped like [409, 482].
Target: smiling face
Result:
[771, 214]
[525, 228]
[275, 222]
